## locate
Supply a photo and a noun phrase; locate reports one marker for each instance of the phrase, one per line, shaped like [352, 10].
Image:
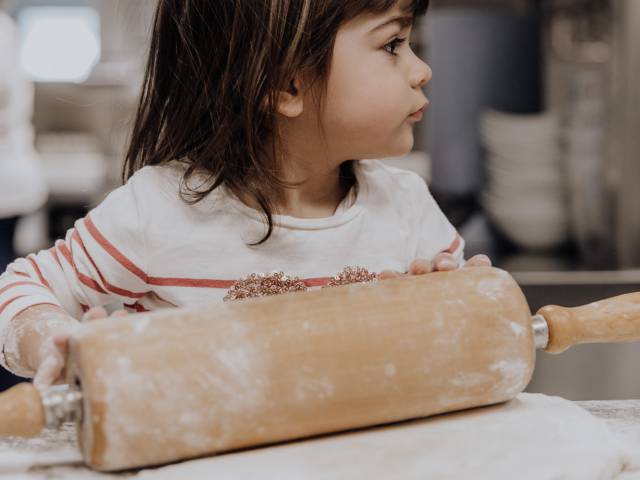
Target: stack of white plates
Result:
[525, 194]
[585, 140]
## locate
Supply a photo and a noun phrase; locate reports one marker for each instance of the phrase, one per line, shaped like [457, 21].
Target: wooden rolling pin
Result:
[174, 384]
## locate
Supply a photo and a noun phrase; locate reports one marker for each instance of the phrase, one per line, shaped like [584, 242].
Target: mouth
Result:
[418, 113]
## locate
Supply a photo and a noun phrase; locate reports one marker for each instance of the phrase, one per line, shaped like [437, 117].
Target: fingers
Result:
[50, 369]
[47, 374]
[61, 342]
[420, 266]
[445, 262]
[386, 274]
[52, 366]
[95, 313]
[478, 261]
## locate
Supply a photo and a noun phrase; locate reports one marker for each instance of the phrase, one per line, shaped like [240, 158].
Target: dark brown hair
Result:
[211, 65]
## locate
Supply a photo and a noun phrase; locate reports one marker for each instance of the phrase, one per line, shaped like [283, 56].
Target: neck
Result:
[306, 157]
[319, 195]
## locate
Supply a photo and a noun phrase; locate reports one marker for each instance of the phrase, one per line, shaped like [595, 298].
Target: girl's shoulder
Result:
[159, 187]
[146, 190]
[161, 175]
[166, 179]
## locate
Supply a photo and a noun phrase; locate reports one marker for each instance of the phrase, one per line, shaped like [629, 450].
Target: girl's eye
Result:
[393, 45]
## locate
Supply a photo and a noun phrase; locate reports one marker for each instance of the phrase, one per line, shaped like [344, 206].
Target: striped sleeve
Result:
[436, 233]
[100, 261]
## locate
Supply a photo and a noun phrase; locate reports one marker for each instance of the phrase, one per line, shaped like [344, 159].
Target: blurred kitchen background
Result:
[531, 144]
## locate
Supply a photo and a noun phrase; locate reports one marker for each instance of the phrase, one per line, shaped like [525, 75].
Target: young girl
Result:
[244, 160]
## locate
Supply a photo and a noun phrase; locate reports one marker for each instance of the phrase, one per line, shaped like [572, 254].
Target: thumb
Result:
[445, 262]
[478, 261]
[48, 371]
[53, 360]
[94, 313]
[387, 274]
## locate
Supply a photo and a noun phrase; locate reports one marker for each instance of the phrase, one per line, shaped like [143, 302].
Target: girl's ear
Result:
[290, 102]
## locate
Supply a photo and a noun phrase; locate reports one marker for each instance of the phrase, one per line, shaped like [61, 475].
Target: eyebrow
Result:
[403, 21]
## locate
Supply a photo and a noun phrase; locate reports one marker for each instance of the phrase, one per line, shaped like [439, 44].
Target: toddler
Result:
[246, 173]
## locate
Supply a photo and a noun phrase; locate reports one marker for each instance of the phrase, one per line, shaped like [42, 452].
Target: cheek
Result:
[363, 104]
[368, 131]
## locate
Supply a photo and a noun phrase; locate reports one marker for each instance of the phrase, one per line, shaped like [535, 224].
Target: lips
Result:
[417, 115]
[421, 110]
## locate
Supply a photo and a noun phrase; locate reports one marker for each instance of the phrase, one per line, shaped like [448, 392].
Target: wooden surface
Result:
[55, 454]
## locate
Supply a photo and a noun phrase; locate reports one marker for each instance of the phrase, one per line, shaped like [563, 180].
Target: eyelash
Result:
[395, 43]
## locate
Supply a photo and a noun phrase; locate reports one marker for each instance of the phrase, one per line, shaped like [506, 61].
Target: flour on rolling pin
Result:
[176, 384]
[181, 383]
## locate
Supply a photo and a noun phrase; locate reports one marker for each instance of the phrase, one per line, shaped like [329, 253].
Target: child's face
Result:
[372, 92]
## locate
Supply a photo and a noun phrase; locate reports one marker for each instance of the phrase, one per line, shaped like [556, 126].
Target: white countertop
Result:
[54, 455]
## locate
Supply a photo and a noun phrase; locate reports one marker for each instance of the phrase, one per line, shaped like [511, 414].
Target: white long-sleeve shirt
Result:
[147, 249]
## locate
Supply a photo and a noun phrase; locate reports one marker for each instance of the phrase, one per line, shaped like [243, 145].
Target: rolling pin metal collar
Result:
[540, 331]
[62, 403]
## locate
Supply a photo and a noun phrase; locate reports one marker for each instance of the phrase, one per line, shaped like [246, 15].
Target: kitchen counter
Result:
[54, 455]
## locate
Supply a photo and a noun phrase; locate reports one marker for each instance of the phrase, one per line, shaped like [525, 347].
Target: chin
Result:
[398, 146]
[403, 146]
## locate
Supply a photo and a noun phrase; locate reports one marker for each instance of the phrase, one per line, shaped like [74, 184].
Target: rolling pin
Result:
[154, 388]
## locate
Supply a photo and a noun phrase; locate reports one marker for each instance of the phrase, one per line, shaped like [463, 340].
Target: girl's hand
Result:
[442, 263]
[53, 354]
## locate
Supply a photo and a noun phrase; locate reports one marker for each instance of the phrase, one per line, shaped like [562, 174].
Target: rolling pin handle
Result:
[25, 410]
[21, 411]
[614, 319]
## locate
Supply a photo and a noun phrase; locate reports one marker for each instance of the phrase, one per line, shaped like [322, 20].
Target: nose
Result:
[421, 73]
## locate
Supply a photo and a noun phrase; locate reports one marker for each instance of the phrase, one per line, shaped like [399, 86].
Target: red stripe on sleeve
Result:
[112, 250]
[76, 236]
[189, 282]
[454, 246]
[137, 307]
[214, 283]
[84, 279]
[112, 288]
[17, 284]
[37, 269]
[54, 253]
[9, 302]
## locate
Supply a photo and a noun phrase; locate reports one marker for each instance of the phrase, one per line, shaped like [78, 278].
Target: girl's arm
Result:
[439, 245]
[39, 340]
[99, 262]
[29, 342]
